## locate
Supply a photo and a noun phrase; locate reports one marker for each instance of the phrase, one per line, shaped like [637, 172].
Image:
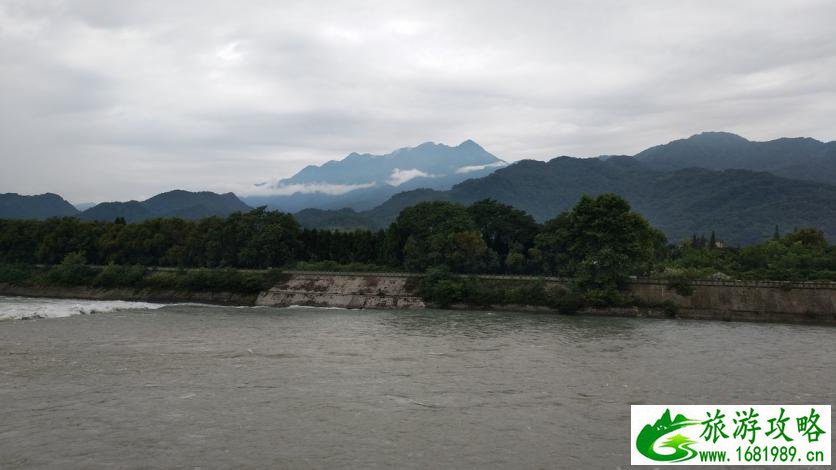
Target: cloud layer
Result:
[472, 168]
[309, 188]
[399, 177]
[111, 100]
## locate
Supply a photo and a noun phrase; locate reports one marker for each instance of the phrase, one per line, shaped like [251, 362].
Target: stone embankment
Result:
[764, 301]
[768, 301]
[379, 290]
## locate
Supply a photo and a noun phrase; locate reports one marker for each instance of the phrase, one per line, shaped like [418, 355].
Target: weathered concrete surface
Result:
[349, 291]
[711, 300]
[803, 302]
[139, 295]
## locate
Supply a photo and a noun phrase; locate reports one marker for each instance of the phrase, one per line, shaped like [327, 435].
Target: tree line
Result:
[600, 242]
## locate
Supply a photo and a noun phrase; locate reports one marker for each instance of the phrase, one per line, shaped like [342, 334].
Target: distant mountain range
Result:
[362, 181]
[177, 203]
[711, 181]
[42, 206]
[800, 158]
[182, 204]
[742, 206]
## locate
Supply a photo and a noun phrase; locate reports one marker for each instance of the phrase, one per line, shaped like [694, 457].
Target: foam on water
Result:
[16, 308]
[316, 308]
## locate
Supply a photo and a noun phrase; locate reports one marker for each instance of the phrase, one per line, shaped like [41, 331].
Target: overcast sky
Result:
[112, 100]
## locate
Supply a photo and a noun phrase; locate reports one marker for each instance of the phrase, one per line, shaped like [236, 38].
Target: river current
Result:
[194, 386]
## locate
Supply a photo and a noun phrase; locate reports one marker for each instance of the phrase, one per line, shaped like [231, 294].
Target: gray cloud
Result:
[114, 100]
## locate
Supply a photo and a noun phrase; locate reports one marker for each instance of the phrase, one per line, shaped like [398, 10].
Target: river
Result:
[141, 385]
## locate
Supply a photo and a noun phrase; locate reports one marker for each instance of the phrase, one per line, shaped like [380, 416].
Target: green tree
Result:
[438, 233]
[72, 271]
[504, 229]
[515, 263]
[552, 245]
[258, 239]
[600, 243]
[807, 237]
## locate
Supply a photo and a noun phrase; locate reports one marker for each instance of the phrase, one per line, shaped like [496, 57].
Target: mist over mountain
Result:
[362, 181]
[177, 203]
[742, 206]
[39, 207]
[711, 181]
[83, 206]
[800, 158]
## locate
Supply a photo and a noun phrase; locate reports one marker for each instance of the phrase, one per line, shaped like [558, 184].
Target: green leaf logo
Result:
[680, 444]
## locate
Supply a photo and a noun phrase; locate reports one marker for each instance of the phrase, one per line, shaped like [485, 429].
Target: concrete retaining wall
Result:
[346, 291]
[746, 301]
[711, 300]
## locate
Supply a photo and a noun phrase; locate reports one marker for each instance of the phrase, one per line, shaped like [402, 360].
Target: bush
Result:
[529, 293]
[218, 280]
[73, 271]
[15, 273]
[576, 297]
[567, 302]
[604, 297]
[442, 288]
[120, 276]
[483, 293]
[681, 284]
[251, 283]
[333, 266]
[162, 280]
[670, 308]
[228, 280]
[446, 292]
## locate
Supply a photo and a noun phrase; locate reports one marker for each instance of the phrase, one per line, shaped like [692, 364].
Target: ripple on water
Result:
[193, 385]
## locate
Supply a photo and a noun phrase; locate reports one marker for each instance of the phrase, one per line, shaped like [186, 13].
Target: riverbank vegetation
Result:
[599, 245]
[802, 255]
[74, 272]
[442, 288]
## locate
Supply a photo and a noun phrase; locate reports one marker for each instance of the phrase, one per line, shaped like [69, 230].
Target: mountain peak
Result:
[718, 136]
[176, 203]
[800, 158]
[428, 160]
[362, 181]
[469, 143]
[41, 206]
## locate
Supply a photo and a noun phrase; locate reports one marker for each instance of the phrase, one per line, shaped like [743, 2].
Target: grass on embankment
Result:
[72, 273]
[436, 286]
[334, 267]
[443, 289]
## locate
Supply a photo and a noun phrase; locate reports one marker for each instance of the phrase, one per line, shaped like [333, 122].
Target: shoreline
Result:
[131, 295]
[316, 297]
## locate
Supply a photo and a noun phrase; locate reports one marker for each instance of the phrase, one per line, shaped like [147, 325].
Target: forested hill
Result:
[177, 203]
[42, 206]
[741, 206]
[797, 158]
[377, 218]
[439, 167]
